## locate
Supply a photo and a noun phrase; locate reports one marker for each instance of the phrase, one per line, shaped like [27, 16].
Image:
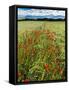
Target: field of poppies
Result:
[41, 50]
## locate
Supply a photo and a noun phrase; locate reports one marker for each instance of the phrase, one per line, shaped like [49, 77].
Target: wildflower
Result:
[50, 35]
[33, 51]
[18, 74]
[52, 49]
[37, 33]
[25, 81]
[29, 40]
[25, 45]
[46, 66]
[61, 71]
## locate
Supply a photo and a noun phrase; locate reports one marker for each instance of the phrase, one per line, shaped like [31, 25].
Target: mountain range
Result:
[41, 17]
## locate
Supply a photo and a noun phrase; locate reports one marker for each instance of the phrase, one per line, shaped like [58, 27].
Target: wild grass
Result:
[41, 50]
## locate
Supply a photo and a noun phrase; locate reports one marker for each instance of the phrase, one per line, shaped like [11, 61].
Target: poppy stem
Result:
[43, 74]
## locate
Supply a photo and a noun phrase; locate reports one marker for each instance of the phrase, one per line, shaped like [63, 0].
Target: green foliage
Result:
[41, 54]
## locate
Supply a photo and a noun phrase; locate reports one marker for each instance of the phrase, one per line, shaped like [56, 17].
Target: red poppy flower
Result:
[25, 81]
[46, 67]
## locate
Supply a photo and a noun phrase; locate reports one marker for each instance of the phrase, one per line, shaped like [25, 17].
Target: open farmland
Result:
[41, 50]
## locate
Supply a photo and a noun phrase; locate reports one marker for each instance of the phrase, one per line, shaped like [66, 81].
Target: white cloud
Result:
[40, 12]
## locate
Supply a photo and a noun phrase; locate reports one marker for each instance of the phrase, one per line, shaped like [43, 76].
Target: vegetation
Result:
[41, 54]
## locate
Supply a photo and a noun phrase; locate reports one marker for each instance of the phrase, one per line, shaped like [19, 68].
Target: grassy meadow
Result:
[41, 50]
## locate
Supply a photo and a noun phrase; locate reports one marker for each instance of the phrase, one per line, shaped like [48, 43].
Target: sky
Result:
[30, 13]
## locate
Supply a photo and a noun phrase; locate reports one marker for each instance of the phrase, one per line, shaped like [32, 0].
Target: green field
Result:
[41, 50]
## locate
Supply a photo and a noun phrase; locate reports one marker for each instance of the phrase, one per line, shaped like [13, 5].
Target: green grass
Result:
[56, 26]
[41, 54]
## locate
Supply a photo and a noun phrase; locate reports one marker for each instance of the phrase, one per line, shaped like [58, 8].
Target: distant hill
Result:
[47, 17]
[44, 19]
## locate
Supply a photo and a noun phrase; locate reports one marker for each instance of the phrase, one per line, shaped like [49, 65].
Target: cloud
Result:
[25, 12]
[40, 12]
